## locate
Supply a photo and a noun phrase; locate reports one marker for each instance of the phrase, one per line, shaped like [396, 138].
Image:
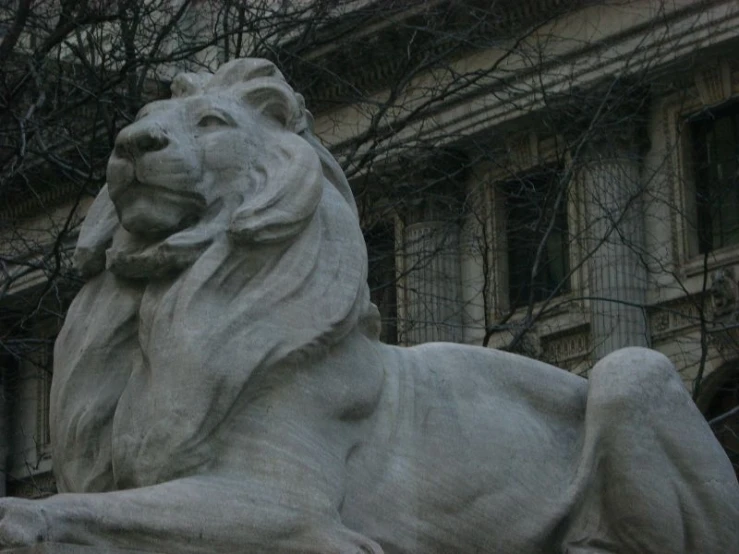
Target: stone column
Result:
[432, 216]
[615, 236]
[433, 307]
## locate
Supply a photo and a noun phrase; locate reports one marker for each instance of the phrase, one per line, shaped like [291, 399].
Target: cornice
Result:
[403, 38]
[357, 69]
[657, 47]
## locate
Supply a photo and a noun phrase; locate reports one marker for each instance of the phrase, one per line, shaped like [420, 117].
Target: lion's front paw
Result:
[22, 522]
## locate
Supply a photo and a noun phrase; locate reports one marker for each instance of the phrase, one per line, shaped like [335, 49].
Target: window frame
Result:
[548, 175]
[527, 153]
[677, 111]
[697, 242]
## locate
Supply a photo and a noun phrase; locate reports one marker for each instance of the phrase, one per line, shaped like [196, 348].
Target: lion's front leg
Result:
[192, 515]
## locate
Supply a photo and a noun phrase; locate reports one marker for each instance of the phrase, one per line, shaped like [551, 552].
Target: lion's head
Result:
[237, 234]
[231, 152]
[229, 156]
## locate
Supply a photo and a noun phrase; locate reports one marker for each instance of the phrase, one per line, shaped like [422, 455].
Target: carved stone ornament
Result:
[219, 385]
[723, 291]
[713, 82]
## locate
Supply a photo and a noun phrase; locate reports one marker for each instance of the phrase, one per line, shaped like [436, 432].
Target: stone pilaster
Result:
[474, 252]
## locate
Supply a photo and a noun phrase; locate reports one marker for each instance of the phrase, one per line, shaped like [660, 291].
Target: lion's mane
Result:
[275, 278]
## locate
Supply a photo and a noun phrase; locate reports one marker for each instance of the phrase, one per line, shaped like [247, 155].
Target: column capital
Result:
[431, 186]
[608, 119]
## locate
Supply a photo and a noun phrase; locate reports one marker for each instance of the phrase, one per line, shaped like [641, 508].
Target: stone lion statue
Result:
[219, 385]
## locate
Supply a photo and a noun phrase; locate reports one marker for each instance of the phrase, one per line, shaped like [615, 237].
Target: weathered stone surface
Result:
[59, 548]
[219, 385]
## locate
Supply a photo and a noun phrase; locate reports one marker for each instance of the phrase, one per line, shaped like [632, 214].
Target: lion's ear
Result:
[189, 84]
[289, 189]
[96, 234]
[276, 100]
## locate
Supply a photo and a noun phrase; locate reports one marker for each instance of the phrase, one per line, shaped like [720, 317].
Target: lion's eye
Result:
[213, 120]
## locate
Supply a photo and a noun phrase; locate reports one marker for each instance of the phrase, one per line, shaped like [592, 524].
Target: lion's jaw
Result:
[150, 210]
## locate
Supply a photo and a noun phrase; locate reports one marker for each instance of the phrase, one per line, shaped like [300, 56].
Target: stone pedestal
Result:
[61, 548]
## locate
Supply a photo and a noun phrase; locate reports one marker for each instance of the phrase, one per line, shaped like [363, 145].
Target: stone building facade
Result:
[621, 143]
[634, 122]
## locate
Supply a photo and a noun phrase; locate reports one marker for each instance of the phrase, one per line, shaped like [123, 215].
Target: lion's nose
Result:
[135, 140]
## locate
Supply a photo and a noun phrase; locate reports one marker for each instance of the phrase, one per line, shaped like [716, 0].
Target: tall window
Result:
[536, 230]
[715, 142]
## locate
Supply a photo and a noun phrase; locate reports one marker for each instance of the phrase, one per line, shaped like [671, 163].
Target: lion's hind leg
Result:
[652, 477]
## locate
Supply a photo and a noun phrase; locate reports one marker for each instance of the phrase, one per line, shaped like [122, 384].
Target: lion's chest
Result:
[120, 408]
[165, 416]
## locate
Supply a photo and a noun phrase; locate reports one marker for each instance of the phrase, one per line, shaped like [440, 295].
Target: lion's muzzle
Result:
[152, 180]
[140, 138]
